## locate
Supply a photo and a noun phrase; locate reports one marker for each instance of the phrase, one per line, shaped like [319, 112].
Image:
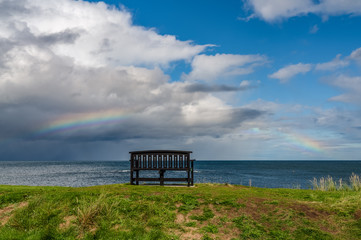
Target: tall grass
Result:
[89, 211]
[355, 182]
[328, 184]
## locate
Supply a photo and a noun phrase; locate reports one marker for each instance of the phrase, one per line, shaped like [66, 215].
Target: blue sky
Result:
[253, 79]
[306, 39]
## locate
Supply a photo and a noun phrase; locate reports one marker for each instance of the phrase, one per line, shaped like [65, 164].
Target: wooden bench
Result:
[161, 160]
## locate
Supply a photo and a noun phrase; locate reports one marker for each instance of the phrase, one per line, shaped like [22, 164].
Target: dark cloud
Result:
[24, 36]
[244, 114]
[196, 87]
[5, 46]
[10, 8]
[151, 127]
[67, 36]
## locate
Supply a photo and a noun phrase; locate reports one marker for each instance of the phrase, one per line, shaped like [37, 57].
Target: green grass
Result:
[206, 211]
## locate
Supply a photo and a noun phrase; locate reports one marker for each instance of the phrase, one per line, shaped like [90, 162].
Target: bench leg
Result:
[131, 178]
[188, 178]
[161, 176]
[137, 177]
[192, 175]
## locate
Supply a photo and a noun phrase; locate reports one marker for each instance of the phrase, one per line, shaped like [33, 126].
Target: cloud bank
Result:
[74, 73]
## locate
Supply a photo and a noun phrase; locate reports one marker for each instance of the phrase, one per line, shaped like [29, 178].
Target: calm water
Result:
[274, 174]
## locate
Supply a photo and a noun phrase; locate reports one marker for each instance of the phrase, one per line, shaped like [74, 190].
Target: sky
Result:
[228, 80]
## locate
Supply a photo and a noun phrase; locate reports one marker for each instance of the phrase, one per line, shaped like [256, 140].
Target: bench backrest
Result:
[160, 159]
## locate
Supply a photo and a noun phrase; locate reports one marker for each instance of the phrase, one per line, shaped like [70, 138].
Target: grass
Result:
[206, 211]
[328, 184]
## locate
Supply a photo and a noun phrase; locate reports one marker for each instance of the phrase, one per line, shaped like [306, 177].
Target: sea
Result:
[265, 174]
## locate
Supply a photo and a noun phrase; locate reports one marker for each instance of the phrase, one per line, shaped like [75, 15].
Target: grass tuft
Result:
[328, 184]
[88, 211]
[355, 182]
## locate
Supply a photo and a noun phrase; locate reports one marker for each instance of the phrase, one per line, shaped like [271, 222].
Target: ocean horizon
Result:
[257, 173]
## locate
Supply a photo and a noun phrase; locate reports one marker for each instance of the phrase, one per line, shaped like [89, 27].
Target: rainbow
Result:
[304, 143]
[296, 141]
[76, 121]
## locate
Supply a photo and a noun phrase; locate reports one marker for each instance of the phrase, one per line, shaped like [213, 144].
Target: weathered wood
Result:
[162, 161]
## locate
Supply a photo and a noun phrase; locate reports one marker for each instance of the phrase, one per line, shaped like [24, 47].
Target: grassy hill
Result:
[206, 211]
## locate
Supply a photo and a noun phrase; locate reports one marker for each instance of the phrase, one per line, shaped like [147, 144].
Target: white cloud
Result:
[102, 35]
[284, 74]
[351, 84]
[274, 10]
[209, 68]
[356, 55]
[245, 83]
[337, 62]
